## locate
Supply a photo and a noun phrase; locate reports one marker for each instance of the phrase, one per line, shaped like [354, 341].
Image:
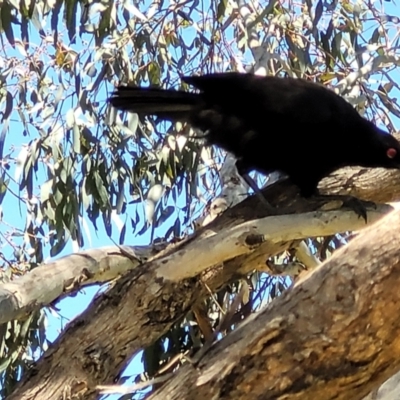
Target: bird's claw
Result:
[358, 206]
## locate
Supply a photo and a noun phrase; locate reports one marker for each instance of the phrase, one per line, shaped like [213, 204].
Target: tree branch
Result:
[333, 336]
[144, 304]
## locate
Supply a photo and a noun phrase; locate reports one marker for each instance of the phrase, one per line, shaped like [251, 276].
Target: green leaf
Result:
[101, 190]
[5, 364]
[76, 139]
[154, 73]
[58, 247]
[70, 118]
[221, 8]
[71, 7]
[122, 235]
[57, 195]
[54, 18]
[49, 211]
[6, 18]
[46, 189]
[120, 197]
[37, 20]
[9, 106]
[104, 25]
[318, 12]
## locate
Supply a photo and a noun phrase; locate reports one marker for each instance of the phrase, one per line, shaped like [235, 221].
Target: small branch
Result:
[199, 255]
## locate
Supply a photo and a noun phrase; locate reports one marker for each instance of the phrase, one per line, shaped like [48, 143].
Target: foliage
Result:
[68, 159]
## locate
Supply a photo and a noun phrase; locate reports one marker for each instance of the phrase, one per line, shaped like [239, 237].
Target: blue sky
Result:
[15, 140]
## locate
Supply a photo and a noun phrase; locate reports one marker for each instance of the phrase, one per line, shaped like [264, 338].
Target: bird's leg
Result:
[310, 189]
[250, 181]
[243, 172]
[357, 205]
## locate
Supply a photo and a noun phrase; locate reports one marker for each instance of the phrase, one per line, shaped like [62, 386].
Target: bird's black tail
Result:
[168, 104]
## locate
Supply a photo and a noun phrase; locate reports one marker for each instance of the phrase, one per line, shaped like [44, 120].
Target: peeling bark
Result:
[333, 336]
[143, 304]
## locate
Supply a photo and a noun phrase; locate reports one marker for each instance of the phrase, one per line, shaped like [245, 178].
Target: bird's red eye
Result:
[391, 153]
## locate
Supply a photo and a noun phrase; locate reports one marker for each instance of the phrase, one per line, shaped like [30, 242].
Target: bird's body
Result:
[295, 126]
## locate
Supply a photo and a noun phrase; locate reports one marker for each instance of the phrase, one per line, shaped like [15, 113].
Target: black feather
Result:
[298, 127]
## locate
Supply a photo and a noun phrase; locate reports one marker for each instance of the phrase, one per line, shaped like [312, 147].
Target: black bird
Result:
[292, 125]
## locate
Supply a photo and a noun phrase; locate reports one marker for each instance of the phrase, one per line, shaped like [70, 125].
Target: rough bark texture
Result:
[45, 284]
[333, 336]
[142, 306]
[379, 185]
[52, 281]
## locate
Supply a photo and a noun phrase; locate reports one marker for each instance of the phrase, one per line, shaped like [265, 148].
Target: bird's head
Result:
[387, 151]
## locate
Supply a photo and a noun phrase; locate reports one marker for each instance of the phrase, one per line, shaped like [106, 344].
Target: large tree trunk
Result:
[335, 335]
